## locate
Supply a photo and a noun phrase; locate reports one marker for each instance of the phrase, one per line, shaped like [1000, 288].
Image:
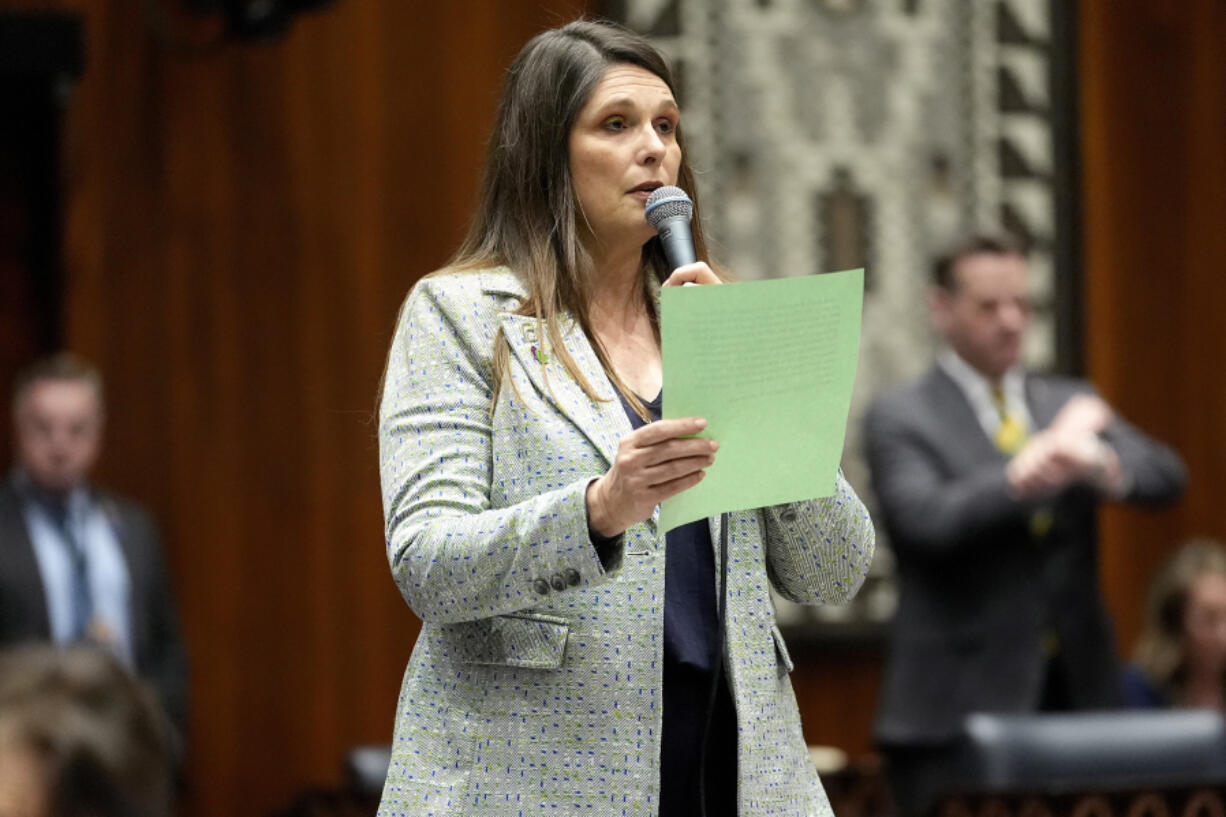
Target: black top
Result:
[691, 655]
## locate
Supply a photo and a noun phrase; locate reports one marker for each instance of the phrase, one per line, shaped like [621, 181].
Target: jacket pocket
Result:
[781, 650]
[519, 640]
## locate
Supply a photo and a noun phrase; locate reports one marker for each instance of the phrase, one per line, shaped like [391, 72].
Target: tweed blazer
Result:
[535, 684]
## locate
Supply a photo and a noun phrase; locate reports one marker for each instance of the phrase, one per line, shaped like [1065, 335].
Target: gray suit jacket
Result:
[977, 590]
[157, 646]
[534, 687]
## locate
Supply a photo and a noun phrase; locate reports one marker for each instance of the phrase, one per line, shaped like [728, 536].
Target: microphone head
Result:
[666, 203]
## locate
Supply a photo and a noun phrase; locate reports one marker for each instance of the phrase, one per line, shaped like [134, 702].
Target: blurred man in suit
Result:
[78, 564]
[988, 479]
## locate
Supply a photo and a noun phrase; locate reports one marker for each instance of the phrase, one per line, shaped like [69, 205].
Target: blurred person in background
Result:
[78, 564]
[79, 737]
[989, 478]
[1180, 660]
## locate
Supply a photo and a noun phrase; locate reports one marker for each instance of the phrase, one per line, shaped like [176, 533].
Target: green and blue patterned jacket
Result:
[534, 687]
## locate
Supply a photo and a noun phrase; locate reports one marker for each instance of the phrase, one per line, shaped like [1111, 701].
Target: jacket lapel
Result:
[603, 422]
[1042, 403]
[17, 559]
[959, 420]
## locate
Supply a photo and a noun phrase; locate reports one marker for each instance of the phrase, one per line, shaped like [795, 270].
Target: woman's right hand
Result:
[657, 461]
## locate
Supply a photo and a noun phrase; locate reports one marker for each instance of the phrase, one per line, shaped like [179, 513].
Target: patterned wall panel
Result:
[839, 133]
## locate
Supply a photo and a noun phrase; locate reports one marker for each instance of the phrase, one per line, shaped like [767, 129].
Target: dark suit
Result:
[157, 647]
[978, 590]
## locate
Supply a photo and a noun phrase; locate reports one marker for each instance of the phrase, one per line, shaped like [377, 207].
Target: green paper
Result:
[770, 365]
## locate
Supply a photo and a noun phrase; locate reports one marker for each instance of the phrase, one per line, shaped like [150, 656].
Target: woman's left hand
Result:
[696, 273]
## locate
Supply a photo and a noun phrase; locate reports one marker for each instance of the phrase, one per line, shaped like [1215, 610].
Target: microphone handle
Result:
[678, 242]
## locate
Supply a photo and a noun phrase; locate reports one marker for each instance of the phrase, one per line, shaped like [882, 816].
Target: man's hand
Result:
[1084, 414]
[1067, 453]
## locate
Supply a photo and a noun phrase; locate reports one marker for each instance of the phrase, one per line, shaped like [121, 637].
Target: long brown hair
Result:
[528, 218]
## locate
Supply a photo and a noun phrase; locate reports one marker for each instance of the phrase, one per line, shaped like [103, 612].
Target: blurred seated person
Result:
[78, 564]
[1180, 660]
[79, 737]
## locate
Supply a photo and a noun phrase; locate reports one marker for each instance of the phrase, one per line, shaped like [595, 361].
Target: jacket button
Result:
[541, 586]
[572, 577]
[788, 514]
[557, 581]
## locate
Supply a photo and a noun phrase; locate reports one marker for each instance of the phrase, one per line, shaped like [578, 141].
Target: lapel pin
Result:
[539, 350]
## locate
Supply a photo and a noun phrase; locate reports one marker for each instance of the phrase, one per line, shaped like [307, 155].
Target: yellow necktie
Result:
[1012, 433]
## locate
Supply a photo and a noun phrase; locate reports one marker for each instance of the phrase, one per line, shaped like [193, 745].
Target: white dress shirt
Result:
[978, 392]
[106, 567]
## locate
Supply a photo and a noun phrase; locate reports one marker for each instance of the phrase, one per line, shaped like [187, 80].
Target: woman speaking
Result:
[573, 658]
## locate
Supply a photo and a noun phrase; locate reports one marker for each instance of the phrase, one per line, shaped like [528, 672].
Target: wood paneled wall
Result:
[1153, 85]
[241, 228]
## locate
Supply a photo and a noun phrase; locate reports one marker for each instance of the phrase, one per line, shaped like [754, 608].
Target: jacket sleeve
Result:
[163, 660]
[925, 508]
[928, 510]
[819, 550]
[452, 555]
[1155, 473]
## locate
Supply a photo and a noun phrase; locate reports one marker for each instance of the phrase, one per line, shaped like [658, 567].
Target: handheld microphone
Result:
[669, 211]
